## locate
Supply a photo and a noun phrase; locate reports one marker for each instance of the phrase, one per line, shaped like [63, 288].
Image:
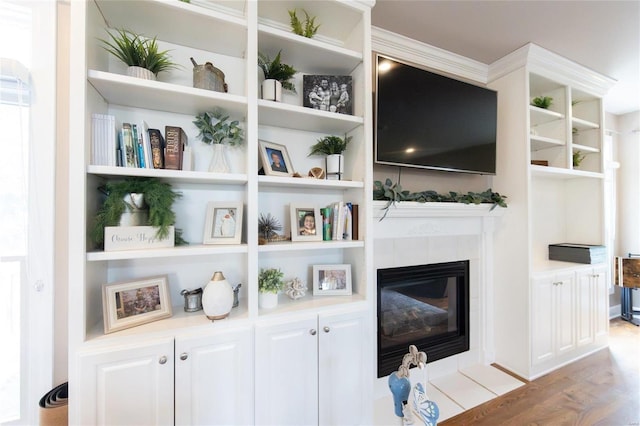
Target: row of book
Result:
[340, 221]
[136, 145]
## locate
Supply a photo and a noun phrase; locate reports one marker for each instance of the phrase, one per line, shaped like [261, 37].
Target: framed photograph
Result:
[275, 159]
[331, 280]
[132, 303]
[333, 93]
[223, 224]
[306, 223]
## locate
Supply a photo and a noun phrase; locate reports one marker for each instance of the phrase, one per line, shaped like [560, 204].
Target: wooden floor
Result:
[601, 389]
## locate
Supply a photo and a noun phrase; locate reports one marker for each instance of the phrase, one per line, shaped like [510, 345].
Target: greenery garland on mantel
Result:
[393, 192]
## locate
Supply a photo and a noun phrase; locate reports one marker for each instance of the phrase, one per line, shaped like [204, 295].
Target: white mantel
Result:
[413, 233]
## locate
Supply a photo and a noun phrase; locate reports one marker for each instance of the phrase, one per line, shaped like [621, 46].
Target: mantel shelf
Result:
[413, 209]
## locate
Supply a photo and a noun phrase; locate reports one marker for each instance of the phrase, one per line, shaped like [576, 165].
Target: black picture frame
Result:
[327, 97]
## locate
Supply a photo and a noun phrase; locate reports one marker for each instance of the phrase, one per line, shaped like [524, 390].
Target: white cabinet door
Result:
[132, 385]
[601, 301]
[542, 321]
[214, 378]
[564, 308]
[343, 360]
[584, 307]
[287, 373]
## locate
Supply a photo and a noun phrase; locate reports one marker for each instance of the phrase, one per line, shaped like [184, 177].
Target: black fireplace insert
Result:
[423, 305]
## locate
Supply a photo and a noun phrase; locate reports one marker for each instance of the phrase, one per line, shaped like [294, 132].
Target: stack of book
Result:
[340, 221]
[138, 146]
[578, 253]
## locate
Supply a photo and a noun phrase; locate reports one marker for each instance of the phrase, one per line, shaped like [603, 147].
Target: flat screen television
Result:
[430, 121]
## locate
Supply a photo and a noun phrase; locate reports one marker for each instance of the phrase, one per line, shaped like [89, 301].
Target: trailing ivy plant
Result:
[158, 196]
[306, 28]
[393, 192]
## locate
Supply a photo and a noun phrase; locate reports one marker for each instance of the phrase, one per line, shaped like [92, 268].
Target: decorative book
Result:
[157, 148]
[175, 141]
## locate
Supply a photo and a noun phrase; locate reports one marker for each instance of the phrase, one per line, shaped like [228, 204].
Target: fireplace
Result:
[422, 305]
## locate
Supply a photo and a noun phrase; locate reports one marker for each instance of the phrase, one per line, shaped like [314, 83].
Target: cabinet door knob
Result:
[312, 332]
[163, 359]
[326, 329]
[184, 356]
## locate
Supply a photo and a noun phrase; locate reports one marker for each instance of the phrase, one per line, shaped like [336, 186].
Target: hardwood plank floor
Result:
[602, 389]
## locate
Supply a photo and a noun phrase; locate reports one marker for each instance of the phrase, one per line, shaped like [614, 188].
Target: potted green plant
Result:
[333, 147]
[140, 54]
[277, 77]
[306, 28]
[217, 130]
[542, 101]
[269, 285]
[146, 200]
[578, 156]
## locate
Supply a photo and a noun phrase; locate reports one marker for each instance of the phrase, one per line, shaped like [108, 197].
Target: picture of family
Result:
[331, 93]
[331, 280]
[137, 301]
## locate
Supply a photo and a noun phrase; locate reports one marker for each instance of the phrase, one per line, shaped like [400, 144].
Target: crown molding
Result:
[406, 49]
[551, 65]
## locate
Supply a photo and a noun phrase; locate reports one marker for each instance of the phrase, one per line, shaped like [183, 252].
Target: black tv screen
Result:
[430, 121]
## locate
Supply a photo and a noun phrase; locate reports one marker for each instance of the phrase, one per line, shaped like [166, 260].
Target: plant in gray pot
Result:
[333, 147]
[277, 77]
[140, 54]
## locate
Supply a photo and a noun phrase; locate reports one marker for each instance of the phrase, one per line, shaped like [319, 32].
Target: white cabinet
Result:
[553, 315]
[551, 200]
[135, 384]
[311, 370]
[131, 385]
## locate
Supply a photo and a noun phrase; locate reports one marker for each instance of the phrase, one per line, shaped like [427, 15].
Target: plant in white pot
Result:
[333, 147]
[217, 130]
[140, 54]
[269, 285]
[277, 77]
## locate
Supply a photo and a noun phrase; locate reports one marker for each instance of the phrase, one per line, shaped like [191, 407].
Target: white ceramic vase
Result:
[140, 72]
[272, 90]
[267, 300]
[335, 166]
[217, 297]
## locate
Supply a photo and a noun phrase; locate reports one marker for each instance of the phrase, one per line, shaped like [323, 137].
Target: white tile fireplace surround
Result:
[424, 233]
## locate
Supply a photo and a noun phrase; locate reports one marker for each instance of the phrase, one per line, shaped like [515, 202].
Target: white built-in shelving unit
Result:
[187, 356]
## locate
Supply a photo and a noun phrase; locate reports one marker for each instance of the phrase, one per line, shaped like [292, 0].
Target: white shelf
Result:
[313, 303]
[306, 54]
[171, 176]
[279, 114]
[542, 116]
[558, 173]
[584, 148]
[157, 95]
[581, 124]
[178, 251]
[309, 245]
[181, 23]
[290, 182]
[541, 142]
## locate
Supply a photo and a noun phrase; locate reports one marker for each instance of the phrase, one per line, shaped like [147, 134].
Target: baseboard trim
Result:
[615, 311]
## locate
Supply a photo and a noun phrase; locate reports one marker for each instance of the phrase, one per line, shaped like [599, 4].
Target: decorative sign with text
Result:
[135, 238]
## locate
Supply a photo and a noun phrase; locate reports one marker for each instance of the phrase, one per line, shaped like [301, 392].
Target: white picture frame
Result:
[300, 215]
[128, 304]
[332, 280]
[223, 223]
[270, 153]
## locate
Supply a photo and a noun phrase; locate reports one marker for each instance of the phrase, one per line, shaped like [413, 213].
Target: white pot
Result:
[267, 300]
[217, 297]
[335, 166]
[272, 90]
[136, 212]
[140, 72]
